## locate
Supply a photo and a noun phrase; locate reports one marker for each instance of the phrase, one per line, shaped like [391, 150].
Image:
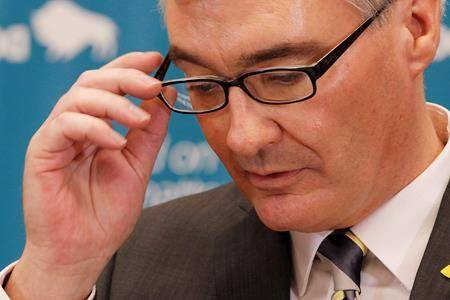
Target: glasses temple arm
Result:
[329, 59]
[162, 70]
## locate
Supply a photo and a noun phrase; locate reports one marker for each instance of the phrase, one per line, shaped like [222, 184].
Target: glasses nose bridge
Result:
[239, 83]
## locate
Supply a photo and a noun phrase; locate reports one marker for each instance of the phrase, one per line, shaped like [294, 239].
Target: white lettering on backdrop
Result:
[184, 158]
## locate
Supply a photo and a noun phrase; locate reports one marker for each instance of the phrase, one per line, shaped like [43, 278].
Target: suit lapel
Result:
[429, 282]
[252, 261]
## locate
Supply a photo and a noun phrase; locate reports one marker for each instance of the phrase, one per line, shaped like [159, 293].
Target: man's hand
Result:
[84, 184]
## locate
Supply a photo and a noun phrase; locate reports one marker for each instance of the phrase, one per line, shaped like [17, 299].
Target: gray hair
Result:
[367, 7]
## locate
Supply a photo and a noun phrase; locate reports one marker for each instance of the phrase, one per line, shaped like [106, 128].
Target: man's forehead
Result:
[263, 33]
[249, 6]
[227, 9]
[202, 18]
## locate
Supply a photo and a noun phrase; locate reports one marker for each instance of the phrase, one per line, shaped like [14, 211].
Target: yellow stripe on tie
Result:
[338, 295]
[446, 271]
[357, 241]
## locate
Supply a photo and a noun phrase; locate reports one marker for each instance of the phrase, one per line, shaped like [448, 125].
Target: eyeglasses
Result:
[275, 85]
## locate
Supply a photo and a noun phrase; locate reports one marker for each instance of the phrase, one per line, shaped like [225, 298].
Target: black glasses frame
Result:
[314, 72]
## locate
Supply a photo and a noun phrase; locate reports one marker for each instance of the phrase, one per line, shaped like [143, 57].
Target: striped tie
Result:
[342, 252]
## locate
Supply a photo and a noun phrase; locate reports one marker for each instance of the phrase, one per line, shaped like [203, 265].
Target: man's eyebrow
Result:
[177, 54]
[283, 50]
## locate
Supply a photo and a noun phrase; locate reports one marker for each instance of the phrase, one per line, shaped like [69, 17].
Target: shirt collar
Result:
[399, 243]
[304, 248]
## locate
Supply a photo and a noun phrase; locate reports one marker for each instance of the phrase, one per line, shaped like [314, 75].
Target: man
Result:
[331, 147]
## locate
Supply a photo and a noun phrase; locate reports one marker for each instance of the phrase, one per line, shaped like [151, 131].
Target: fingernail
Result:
[118, 138]
[149, 81]
[139, 112]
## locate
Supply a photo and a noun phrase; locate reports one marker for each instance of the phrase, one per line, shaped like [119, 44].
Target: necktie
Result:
[343, 254]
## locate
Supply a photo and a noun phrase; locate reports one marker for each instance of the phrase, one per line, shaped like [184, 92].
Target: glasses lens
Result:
[280, 86]
[194, 96]
[191, 95]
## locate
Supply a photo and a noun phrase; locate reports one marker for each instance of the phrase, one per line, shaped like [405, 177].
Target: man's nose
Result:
[251, 128]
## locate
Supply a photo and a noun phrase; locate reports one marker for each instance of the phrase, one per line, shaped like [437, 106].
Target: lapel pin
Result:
[446, 271]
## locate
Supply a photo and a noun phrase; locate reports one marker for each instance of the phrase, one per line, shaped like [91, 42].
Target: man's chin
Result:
[289, 212]
[304, 206]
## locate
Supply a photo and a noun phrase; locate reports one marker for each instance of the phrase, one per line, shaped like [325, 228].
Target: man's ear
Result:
[423, 23]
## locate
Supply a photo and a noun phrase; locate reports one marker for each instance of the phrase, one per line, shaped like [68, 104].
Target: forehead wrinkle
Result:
[216, 13]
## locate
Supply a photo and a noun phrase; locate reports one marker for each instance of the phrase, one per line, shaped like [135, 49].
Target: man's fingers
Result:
[121, 81]
[71, 127]
[143, 144]
[92, 93]
[143, 61]
[102, 104]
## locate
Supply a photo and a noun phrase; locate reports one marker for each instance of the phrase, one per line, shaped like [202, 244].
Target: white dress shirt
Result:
[396, 235]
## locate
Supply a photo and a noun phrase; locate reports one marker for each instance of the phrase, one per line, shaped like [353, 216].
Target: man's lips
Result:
[275, 180]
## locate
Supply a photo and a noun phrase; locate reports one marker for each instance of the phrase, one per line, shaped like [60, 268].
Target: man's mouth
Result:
[272, 180]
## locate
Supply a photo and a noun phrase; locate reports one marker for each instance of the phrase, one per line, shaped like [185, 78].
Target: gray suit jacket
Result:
[213, 246]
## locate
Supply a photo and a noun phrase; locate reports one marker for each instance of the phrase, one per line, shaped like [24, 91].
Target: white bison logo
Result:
[444, 47]
[66, 29]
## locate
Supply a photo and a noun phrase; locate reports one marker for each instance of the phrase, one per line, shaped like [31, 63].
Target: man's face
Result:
[320, 164]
